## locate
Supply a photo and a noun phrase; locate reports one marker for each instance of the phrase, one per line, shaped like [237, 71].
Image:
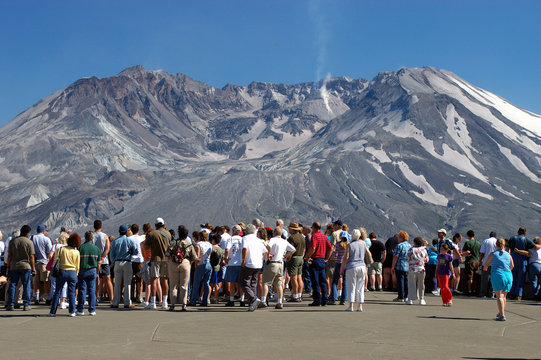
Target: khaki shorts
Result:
[158, 269]
[42, 275]
[375, 268]
[272, 274]
[294, 265]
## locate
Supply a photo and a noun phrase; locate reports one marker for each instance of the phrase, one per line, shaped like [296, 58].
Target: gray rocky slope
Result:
[416, 149]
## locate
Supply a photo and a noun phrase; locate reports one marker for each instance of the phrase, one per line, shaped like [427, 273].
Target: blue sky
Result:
[46, 45]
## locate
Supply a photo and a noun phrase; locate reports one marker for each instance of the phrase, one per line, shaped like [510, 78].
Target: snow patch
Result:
[467, 190]
[518, 164]
[379, 154]
[430, 195]
[500, 189]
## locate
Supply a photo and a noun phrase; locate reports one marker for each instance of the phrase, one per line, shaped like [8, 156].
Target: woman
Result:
[417, 258]
[355, 268]
[534, 268]
[62, 241]
[500, 275]
[338, 283]
[457, 238]
[203, 270]
[180, 254]
[68, 257]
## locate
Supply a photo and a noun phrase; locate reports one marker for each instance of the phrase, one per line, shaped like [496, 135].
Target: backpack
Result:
[215, 258]
[178, 255]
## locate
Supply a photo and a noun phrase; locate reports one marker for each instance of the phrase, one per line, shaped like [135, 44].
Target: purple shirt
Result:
[444, 264]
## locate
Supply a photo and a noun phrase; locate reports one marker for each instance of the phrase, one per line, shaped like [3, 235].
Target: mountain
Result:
[415, 149]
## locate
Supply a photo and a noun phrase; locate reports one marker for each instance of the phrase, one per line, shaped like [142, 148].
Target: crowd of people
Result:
[248, 265]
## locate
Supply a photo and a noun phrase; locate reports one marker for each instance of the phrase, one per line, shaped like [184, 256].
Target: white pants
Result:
[355, 284]
[416, 285]
[123, 273]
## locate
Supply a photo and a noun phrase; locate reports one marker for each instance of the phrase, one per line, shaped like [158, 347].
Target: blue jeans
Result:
[535, 277]
[24, 276]
[306, 277]
[87, 281]
[519, 274]
[201, 278]
[402, 283]
[335, 279]
[319, 281]
[69, 277]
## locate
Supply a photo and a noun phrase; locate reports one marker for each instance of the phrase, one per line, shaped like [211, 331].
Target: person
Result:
[20, 266]
[280, 225]
[444, 271]
[253, 251]
[137, 261]
[102, 241]
[534, 268]
[2, 249]
[518, 247]
[233, 260]
[317, 255]
[400, 265]
[216, 258]
[89, 269]
[61, 241]
[295, 264]
[180, 254]
[333, 236]
[470, 251]
[145, 271]
[442, 239]
[306, 280]
[375, 271]
[203, 271]
[430, 267]
[501, 277]
[122, 250]
[158, 241]
[339, 289]
[417, 258]
[457, 260]
[44, 251]
[389, 276]
[69, 261]
[273, 270]
[355, 268]
[487, 247]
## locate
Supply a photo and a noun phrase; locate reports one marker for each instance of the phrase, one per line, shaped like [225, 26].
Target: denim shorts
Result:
[232, 274]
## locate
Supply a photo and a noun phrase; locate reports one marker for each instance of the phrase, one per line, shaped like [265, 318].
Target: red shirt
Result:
[321, 245]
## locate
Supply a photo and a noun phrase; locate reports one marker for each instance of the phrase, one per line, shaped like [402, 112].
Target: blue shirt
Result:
[501, 260]
[401, 250]
[432, 257]
[122, 248]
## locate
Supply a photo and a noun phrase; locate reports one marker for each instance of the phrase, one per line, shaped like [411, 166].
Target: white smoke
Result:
[325, 93]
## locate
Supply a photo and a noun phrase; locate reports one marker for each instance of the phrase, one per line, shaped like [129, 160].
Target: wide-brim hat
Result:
[294, 226]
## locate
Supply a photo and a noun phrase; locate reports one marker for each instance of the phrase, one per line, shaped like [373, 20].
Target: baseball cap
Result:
[159, 221]
[442, 231]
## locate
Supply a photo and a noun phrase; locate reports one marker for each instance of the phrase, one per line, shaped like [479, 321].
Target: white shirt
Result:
[254, 251]
[205, 249]
[224, 240]
[487, 247]
[536, 256]
[234, 245]
[138, 239]
[2, 247]
[278, 248]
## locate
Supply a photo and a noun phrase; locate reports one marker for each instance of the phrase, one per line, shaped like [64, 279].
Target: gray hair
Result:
[251, 229]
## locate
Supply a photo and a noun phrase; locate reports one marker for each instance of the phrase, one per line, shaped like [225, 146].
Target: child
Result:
[444, 271]
[417, 258]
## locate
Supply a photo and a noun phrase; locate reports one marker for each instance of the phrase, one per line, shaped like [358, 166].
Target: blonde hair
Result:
[63, 238]
[500, 243]
[345, 227]
[363, 233]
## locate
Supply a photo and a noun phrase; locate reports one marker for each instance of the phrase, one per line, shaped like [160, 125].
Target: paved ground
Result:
[384, 330]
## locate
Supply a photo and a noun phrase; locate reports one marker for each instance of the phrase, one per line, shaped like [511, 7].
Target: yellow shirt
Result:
[69, 258]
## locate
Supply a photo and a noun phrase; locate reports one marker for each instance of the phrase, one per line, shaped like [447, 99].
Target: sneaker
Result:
[80, 313]
[501, 318]
[145, 303]
[254, 305]
[435, 293]
[262, 305]
[279, 306]
[93, 313]
[398, 300]
[64, 305]
[150, 307]
[166, 307]
[422, 302]
[350, 308]
[184, 308]
[409, 302]
[51, 315]
[172, 308]
[72, 314]
[331, 302]
[27, 308]
[230, 303]
[360, 308]
[315, 303]
[342, 302]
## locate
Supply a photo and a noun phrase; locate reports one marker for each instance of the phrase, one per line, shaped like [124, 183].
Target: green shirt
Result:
[473, 246]
[90, 255]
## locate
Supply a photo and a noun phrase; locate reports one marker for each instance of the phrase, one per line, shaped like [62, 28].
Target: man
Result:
[306, 280]
[487, 247]
[122, 250]
[253, 251]
[137, 265]
[89, 268]
[442, 239]
[294, 265]
[233, 260]
[317, 255]
[274, 268]
[389, 277]
[44, 252]
[331, 263]
[20, 266]
[470, 251]
[280, 225]
[375, 272]
[400, 265]
[101, 240]
[518, 246]
[158, 241]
